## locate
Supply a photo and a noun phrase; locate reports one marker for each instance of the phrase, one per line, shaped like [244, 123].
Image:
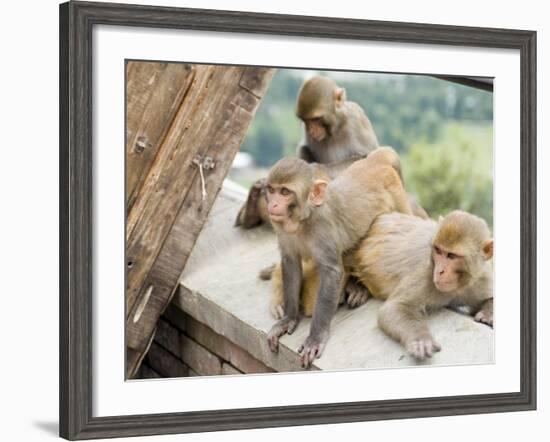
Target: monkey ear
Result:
[318, 192]
[339, 96]
[488, 249]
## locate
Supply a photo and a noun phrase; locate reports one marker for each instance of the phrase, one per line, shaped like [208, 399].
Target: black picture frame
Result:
[77, 20]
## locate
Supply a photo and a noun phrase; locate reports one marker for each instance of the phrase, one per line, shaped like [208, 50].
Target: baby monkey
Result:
[319, 221]
[417, 266]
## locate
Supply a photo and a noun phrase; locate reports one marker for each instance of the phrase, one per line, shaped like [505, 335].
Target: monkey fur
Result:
[397, 263]
[346, 136]
[320, 220]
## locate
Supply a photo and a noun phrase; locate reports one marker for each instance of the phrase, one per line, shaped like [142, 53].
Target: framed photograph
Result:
[271, 220]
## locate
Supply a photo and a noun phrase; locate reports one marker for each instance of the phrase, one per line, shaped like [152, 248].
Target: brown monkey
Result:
[310, 287]
[354, 293]
[417, 266]
[336, 133]
[420, 265]
[336, 130]
[317, 220]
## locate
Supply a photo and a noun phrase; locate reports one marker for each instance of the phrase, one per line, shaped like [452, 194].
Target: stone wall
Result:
[185, 347]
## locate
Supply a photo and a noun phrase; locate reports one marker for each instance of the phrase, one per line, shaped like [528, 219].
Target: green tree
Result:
[455, 173]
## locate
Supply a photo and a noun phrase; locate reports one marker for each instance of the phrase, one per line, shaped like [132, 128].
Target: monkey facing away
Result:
[317, 220]
[417, 266]
[336, 133]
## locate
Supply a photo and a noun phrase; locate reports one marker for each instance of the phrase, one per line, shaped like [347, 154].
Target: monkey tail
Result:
[267, 273]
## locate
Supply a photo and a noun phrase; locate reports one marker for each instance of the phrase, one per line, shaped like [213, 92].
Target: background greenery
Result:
[442, 130]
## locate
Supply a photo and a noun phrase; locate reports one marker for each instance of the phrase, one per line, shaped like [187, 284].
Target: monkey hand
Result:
[256, 191]
[249, 215]
[356, 293]
[285, 325]
[485, 317]
[312, 348]
[422, 347]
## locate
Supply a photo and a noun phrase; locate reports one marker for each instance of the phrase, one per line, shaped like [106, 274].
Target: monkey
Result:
[354, 294]
[335, 130]
[417, 266]
[336, 133]
[319, 220]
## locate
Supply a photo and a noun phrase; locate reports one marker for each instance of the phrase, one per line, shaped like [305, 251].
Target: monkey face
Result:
[281, 207]
[448, 269]
[316, 129]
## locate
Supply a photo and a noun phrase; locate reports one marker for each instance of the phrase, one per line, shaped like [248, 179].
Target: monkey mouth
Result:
[444, 286]
[276, 218]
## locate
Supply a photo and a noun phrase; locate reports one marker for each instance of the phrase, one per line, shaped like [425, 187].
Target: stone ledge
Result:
[220, 288]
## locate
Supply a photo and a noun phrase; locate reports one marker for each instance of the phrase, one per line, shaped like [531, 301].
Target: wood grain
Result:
[154, 92]
[170, 209]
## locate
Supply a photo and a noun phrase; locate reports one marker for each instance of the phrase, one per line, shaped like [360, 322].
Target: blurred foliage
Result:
[454, 173]
[442, 130]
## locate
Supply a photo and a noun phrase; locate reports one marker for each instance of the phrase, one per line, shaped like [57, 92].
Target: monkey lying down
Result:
[320, 220]
[416, 266]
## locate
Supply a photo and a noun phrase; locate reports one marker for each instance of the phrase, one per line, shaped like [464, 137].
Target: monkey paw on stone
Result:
[422, 348]
[484, 317]
[285, 325]
[356, 293]
[311, 349]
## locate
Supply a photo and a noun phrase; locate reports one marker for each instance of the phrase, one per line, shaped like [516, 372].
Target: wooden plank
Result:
[154, 92]
[134, 358]
[214, 116]
[256, 80]
[161, 194]
[171, 208]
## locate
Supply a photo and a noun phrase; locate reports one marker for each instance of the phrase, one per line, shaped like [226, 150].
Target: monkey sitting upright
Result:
[417, 266]
[337, 132]
[317, 220]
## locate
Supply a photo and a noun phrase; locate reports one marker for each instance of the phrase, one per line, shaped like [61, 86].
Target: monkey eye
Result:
[437, 250]
[270, 189]
[452, 256]
[285, 191]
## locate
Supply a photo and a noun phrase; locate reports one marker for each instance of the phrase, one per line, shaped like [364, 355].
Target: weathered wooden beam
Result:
[154, 94]
[180, 187]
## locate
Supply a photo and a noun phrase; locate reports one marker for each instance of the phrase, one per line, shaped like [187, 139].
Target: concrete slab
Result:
[220, 287]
